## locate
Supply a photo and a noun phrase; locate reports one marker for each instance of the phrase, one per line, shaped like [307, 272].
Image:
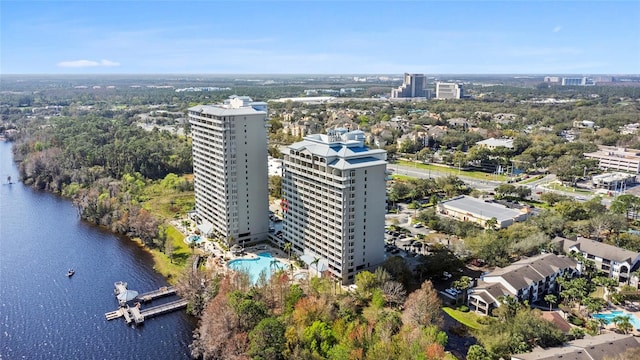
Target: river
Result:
[46, 315]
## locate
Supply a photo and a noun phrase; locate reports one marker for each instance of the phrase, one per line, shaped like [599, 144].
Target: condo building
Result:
[334, 196]
[413, 86]
[230, 169]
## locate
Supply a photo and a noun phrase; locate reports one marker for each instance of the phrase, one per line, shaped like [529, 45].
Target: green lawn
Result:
[531, 179]
[471, 174]
[560, 187]
[598, 293]
[468, 319]
[171, 268]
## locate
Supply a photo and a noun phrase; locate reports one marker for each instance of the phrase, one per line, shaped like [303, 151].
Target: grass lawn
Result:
[468, 319]
[471, 174]
[181, 253]
[597, 293]
[531, 179]
[556, 186]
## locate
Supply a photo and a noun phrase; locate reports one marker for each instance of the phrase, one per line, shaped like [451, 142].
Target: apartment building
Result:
[334, 195]
[528, 279]
[413, 86]
[616, 262]
[446, 90]
[230, 169]
[614, 158]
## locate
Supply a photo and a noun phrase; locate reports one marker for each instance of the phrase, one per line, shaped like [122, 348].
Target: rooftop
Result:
[598, 249]
[597, 347]
[480, 208]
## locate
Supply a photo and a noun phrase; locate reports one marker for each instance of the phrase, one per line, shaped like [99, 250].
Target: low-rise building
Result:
[528, 279]
[604, 346]
[446, 90]
[467, 208]
[614, 158]
[613, 181]
[493, 143]
[618, 263]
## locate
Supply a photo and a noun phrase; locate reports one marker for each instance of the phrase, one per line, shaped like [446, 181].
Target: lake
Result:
[46, 315]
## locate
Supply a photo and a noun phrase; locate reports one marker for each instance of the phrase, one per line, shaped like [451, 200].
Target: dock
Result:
[164, 308]
[155, 294]
[135, 314]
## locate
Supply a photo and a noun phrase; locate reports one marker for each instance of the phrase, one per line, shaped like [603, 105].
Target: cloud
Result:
[557, 29]
[87, 63]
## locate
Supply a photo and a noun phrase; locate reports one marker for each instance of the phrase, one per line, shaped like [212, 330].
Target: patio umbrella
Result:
[127, 295]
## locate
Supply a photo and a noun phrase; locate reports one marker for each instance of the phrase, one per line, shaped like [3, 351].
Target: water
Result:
[608, 317]
[46, 315]
[256, 266]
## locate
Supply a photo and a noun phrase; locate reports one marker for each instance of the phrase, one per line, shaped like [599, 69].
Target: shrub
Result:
[463, 308]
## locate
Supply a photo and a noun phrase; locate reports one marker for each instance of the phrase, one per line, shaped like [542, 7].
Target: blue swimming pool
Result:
[608, 317]
[263, 263]
[195, 239]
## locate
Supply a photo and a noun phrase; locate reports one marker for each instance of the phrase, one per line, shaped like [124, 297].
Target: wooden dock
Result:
[163, 291]
[137, 315]
[164, 308]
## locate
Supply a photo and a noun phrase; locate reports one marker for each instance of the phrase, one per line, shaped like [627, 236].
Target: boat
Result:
[70, 272]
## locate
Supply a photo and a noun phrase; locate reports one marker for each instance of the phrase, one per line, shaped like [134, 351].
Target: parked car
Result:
[452, 292]
[446, 275]
[417, 225]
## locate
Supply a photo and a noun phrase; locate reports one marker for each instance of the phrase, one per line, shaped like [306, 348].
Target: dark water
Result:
[44, 314]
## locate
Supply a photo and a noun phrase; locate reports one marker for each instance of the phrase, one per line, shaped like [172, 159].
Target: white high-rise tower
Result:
[230, 169]
[334, 191]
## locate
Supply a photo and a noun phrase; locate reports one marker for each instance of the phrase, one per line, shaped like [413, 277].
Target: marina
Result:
[135, 313]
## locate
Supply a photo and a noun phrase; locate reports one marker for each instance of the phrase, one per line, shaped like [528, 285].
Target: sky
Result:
[319, 37]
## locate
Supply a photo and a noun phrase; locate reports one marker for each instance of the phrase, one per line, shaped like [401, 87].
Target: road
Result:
[484, 185]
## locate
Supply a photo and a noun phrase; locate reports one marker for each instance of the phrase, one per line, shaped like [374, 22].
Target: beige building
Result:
[230, 169]
[614, 158]
[527, 279]
[467, 208]
[334, 195]
[448, 90]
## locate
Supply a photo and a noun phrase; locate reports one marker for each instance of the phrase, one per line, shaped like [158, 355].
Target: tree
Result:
[551, 299]
[478, 352]
[275, 186]
[491, 223]
[623, 324]
[422, 307]
[267, 339]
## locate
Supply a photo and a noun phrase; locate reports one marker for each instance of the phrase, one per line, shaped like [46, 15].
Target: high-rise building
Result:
[230, 169]
[414, 85]
[334, 202]
[448, 90]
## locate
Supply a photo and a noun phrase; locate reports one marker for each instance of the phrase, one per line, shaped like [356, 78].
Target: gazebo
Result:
[236, 249]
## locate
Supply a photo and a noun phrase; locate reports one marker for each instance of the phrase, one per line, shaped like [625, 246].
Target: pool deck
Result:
[631, 307]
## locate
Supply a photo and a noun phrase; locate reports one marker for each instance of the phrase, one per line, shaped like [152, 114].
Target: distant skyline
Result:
[319, 37]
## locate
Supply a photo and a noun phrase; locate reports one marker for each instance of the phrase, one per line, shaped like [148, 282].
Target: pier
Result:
[135, 314]
[155, 294]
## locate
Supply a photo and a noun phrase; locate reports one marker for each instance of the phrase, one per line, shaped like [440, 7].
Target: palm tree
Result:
[623, 324]
[315, 262]
[551, 299]
[287, 249]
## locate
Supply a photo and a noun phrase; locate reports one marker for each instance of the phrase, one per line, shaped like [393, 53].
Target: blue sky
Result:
[320, 37]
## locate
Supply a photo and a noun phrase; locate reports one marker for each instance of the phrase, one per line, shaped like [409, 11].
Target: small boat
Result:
[70, 272]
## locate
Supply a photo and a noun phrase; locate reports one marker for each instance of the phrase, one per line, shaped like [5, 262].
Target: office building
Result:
[448, 90]
[230, 169]
[577, 81]
[334, 195]
[613, 158]
[413, 86]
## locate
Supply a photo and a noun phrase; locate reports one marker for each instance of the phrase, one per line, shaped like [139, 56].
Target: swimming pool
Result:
[263, 263]
[608, 317]
[194, 239]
